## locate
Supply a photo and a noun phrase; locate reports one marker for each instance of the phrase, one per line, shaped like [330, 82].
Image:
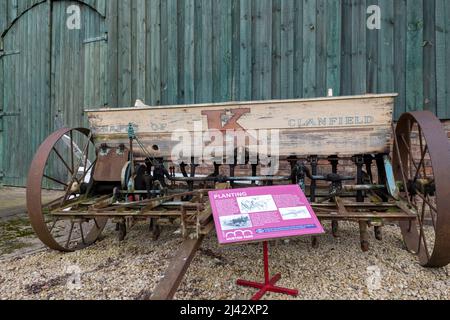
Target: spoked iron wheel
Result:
[422, 163]
[63, 163]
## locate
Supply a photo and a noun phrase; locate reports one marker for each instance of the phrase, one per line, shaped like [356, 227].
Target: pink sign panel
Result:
[262, 213]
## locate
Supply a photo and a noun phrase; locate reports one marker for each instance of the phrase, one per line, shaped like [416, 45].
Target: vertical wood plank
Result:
[189, 52]
[298, 49]
[400, 56]
[222, 35]
[442, 58]
[245, 52]
[204, 80]
[113, 46]
[164, 51]
[277, 80]
[235, 49]
[180, 51]
[346, 67]
[172, 52]
[334, 30]
[141, 46]
[287, 49]
[386, 48]
[124, 45]
[153, 70]
[429, 55]
[414, 56]
[309, 48]
[359, 47]
[374, 46]
[321, 50]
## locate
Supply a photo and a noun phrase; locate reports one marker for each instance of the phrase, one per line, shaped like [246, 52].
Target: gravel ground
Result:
[130, 269]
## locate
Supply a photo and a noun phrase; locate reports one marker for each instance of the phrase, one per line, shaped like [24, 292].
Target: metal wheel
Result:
[63, 163]
[422, 164]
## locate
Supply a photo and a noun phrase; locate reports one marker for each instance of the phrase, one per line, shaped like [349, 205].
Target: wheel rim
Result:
[57, 165]
[422, 160]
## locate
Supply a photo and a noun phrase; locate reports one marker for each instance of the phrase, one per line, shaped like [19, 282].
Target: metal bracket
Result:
[9, 114]
[96, 39]
[8, 53]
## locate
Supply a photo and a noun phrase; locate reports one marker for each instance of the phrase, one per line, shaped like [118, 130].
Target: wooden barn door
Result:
[79, 59]
[25, 107]
[49, 75]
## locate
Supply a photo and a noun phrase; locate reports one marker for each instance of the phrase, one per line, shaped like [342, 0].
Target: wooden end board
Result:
[323, 126]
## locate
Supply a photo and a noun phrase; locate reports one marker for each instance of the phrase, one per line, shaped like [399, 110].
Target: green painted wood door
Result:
[79, 59]
[49, 75]
[26, 93]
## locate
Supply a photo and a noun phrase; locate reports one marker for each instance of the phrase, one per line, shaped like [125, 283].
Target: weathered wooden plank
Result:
[3, 15]
[245, 52]
[113, 47]
[277, 27]
[321, 50]
[359, 60]
[346, 67]
[344, 125]
[172, 52]
[400, 39]
[298, 49]
[235, 47]
[309, 48]
[180, 50]
[153, 90]
[174, 274]
[222, 35]
[429, 56]
[262, 50]
[204, 65]
[139, 65]
[189, 52]
[124, 44]
[414, 56]
[334, 29]
[374, 48]
[441, 56]
[386, 55]
[287, 49]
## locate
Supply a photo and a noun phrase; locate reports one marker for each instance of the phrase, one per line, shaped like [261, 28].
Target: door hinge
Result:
[8, 53]
[96, 39]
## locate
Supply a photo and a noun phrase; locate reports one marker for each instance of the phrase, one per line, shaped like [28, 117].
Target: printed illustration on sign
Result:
[238, 221]
[254, 204]
[295, 213]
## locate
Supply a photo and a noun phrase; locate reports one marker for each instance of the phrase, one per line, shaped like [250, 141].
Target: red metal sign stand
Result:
[269, 284]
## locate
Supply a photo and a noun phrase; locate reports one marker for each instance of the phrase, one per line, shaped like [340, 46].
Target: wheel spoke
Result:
[53, 225]
[70, 234]
[399, 156]
[80, 161]
[63, 161]
[422, 234]
[424, 152]
[81, 231]
[411, 156]
[55, 180]
[422, 164]
[71, 151]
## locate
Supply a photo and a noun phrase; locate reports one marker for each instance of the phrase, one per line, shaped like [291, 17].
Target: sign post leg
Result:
[269, 283]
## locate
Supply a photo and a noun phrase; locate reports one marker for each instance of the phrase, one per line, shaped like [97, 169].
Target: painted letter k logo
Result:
[216, 119]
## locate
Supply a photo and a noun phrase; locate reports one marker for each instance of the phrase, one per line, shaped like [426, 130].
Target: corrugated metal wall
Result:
[192, 51]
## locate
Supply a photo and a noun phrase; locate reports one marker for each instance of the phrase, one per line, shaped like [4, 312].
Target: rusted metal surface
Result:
[110, 162]
[34, 196]
[434, 143]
